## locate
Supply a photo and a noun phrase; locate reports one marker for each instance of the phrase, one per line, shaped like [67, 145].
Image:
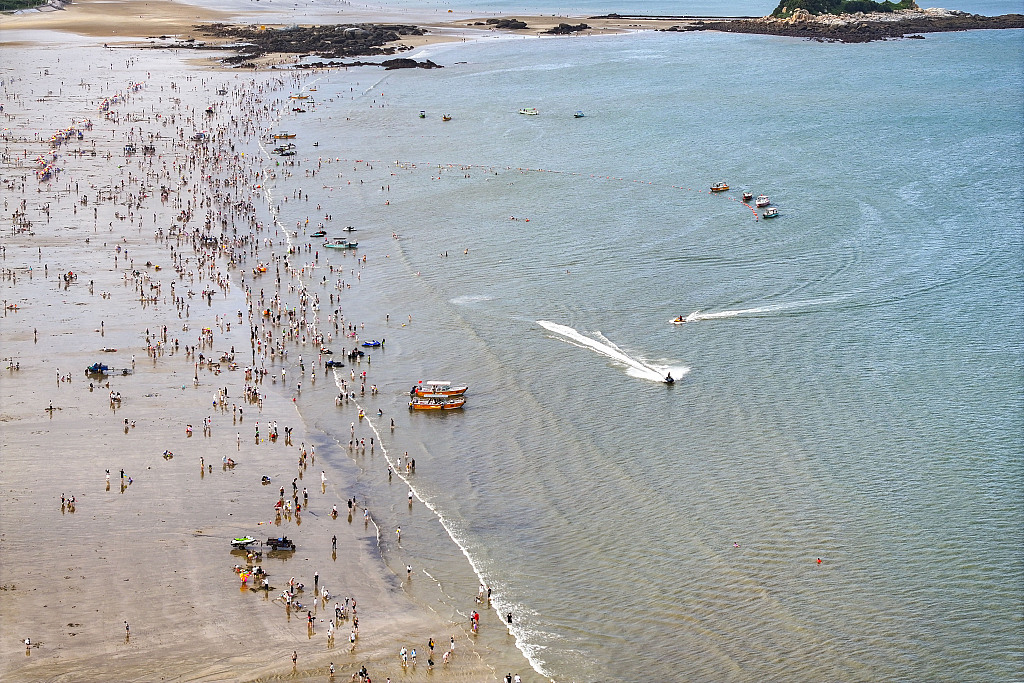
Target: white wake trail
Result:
[634, 367]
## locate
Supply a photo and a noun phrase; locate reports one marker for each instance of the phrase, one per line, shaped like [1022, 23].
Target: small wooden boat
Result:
[529, 111]
[747, 196]
[762, 201]
[771, 212]
[719, 187]
[437, 402]
[437, 388]
[300, 97]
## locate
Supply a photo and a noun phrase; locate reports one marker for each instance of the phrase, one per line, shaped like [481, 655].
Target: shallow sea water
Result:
[849, 382]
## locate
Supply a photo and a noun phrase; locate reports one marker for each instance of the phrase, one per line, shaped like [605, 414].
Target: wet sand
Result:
[79, 275]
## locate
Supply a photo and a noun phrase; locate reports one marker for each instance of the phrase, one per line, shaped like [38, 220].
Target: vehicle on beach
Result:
[437, 402]
[762, 201]
[437, 388]
[771, 212]
[281, 543]
[103, 369]
[529, 111]
[243, 542]
[719, 187]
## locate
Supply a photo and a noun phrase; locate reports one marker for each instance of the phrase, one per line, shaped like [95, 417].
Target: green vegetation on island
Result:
[11, 5]
[787, 7]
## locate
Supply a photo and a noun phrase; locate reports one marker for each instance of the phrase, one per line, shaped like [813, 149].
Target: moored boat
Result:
[747, 196]
[529, 111]
[762, 201]
[340, 243]
[437, 402]
[719, 187]
[771, 212]
[283, 135]
[437, 388]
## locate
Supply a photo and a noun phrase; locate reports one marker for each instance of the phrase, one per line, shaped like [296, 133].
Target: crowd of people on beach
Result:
[208, 202]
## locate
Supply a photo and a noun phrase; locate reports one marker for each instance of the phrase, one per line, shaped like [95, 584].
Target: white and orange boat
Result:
[437, 402]
[437, 388]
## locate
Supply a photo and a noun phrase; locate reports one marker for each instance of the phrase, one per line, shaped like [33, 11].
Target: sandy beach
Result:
[128, 242]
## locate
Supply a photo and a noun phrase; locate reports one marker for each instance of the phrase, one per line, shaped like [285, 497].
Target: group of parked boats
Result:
[762, 201]
[437, 395]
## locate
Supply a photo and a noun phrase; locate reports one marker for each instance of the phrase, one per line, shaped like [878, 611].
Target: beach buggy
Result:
[280, 543]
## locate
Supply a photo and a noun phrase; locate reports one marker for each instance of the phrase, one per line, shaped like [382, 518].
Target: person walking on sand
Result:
[295, 657]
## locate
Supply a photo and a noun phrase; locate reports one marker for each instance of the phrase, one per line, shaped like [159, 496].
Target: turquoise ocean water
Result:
[849, 384]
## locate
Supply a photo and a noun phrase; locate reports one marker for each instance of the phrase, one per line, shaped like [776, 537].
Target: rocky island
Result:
[848, 21]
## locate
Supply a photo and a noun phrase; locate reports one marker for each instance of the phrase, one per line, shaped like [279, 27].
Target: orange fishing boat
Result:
[437, 402]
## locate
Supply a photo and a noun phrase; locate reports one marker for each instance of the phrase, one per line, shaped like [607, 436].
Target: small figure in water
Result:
[668, 378]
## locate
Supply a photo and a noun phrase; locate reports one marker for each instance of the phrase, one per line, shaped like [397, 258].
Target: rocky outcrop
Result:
[566, 29]
[330, 41]
[857, 28]
[388, 64]
[507, 24]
